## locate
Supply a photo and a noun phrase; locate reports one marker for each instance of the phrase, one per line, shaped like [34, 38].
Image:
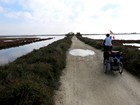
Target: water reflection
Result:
[10, 54]
[132, 44]
[117, 37]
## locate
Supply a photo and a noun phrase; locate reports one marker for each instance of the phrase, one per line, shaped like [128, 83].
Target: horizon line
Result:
[8, 35]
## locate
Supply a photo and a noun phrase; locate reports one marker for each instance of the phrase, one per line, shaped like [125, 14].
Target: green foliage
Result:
[132, 60]
[70, 34]
[78, 34]
[32, 78]
[25, 93]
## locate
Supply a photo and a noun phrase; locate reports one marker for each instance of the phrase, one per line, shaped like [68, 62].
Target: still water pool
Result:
[11, 54]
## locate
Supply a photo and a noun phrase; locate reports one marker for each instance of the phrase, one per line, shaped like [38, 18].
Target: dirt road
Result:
[84, 83]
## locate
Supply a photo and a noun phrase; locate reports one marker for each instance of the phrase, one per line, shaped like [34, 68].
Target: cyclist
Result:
[107, 43]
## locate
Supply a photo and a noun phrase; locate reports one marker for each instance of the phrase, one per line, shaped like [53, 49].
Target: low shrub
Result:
[25, 93]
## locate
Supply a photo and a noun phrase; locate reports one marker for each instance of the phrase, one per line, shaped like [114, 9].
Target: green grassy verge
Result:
[32, 78]
[131, 55]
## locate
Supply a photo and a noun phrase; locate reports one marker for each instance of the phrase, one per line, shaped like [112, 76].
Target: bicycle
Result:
[113, 62]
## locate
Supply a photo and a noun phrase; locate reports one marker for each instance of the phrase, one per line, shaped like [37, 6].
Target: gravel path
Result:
[84, 83]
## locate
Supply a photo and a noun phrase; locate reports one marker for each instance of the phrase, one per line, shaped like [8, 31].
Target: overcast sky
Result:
[63, 16]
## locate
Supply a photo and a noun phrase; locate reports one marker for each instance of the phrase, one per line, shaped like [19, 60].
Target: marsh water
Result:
[11, 54]
[119, 37]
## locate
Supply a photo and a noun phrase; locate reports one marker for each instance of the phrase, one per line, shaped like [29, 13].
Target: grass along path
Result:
[32, 78]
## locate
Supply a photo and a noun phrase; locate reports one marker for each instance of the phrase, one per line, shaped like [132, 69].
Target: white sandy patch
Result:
[81, 52]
